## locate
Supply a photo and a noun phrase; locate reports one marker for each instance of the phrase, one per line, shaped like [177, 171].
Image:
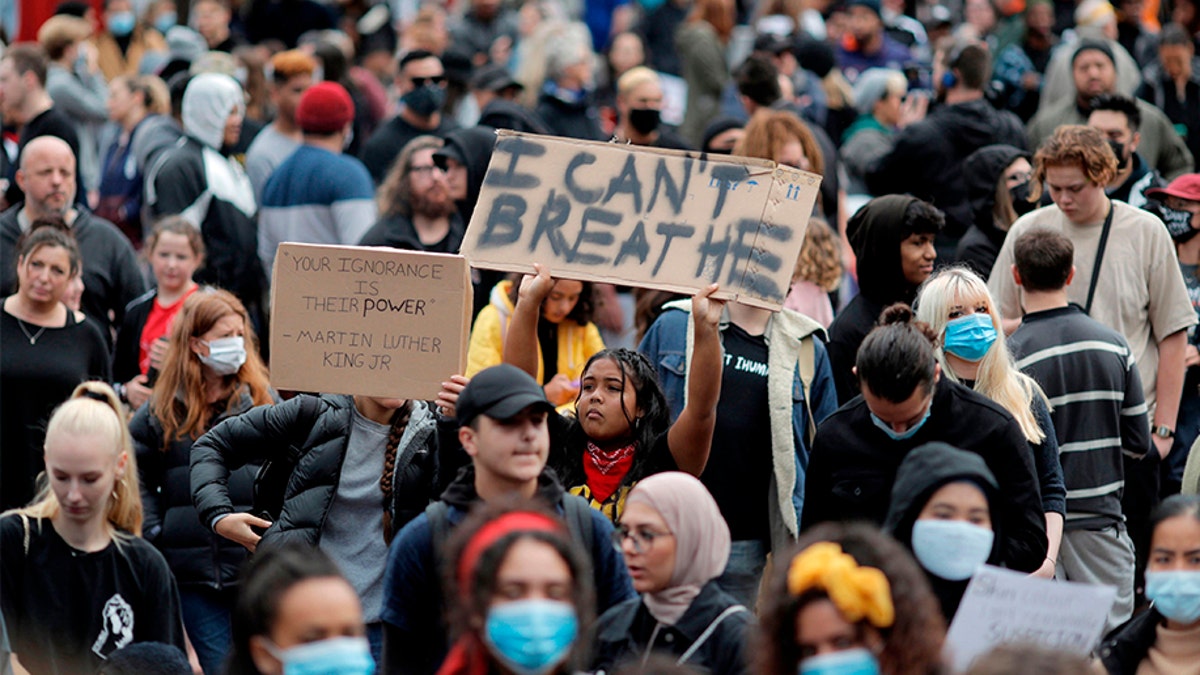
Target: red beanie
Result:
[325, 108]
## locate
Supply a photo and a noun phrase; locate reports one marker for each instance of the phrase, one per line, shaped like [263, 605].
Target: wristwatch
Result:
[1164, 431]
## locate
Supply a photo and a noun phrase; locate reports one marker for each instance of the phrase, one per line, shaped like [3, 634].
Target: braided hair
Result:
[655, 419]
[387, 482]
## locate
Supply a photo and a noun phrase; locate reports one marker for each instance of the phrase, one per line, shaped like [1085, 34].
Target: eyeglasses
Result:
[425, 170]
[422, 81]
[643, 540]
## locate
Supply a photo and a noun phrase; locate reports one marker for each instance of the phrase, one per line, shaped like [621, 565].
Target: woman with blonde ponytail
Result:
[956, 304]
[76, 580]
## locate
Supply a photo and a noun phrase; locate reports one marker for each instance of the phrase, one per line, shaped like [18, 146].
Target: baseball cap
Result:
[500, 392]
[1186, 186]
[325, 108]
[493, 77]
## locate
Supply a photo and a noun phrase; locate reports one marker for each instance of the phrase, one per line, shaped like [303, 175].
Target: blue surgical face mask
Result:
[335, 656]
[1176, 594]
[121, 24]
[970, 337]
[951, 549]
[165, 22]
[902, 435]
[531, 637]
[849, 662]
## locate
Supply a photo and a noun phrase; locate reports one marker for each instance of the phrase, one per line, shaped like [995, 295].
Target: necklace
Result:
[32, 338]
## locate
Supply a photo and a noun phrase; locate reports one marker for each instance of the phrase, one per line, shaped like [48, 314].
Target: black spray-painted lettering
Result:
[726, 176]
[515, 148]
[626, 182]
[503, 225]
[581, 194]
[671, 231]
[635, 245]
[664, 183]
[595, 237]
[554, 215]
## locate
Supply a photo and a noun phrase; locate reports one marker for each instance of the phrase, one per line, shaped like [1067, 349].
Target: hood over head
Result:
[472, 148]
[925, 470]
[981, 172]
[875, 233]
[504, 114]
[207, 103]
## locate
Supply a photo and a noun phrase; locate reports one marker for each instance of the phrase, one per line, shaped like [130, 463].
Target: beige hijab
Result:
[701, 539]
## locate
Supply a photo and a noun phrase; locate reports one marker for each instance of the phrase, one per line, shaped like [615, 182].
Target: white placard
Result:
[1002, 607]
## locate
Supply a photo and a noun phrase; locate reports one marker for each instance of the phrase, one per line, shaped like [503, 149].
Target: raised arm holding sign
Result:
[670, 220]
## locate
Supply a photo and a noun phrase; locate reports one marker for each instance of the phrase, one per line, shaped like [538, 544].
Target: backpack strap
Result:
[808, 370]
[25, 522]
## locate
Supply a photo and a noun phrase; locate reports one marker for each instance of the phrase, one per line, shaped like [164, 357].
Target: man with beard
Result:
[1118, 118]
[415, 207]
[866, 44]
[318, 195]
[1094, 72]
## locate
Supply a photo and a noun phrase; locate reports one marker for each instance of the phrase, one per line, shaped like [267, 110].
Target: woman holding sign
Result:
[1165, 638]
[211, 372]
[621, 431]
[566, 336]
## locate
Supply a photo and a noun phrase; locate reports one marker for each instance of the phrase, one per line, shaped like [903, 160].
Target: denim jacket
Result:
[668, 345]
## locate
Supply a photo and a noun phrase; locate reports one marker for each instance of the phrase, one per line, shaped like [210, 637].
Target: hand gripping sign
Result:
[623, 214]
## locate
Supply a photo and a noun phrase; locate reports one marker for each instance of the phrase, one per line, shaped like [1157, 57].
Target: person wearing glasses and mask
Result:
[906, 403]
[676, 544]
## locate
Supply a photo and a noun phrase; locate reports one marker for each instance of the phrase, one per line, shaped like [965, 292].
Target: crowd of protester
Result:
[988, 353]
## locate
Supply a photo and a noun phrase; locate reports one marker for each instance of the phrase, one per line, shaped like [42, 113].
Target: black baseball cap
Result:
[500, 392]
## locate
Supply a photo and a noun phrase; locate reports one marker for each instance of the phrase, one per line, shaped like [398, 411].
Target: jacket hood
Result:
[981, 171]
[461, 492]
[475, 146]
[928, 468]
[504, 114]
[875, 233]
[207, 102]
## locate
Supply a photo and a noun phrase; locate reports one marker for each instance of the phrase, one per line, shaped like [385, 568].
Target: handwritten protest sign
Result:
[369, 321]
[1004, 607]
[664, 219]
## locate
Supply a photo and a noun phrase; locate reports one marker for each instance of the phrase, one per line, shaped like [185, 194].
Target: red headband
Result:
[515, 521]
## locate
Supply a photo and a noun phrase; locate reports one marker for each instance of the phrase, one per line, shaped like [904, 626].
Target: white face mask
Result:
[225, 355]
[951, 549]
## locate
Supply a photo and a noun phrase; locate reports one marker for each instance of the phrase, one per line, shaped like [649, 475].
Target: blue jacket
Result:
[668, 345]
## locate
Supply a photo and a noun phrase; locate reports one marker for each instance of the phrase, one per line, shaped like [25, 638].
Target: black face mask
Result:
[644, 120]
[1020, 199]
[1119, 150]
[1179, 223]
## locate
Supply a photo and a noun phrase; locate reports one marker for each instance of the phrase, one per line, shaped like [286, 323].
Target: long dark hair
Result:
[655, 419]
[581, 313]
[912, 644]
[1173, 507]
[268, 575]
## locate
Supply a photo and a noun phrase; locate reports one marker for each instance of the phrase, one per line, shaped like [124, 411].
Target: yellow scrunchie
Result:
[858, 592]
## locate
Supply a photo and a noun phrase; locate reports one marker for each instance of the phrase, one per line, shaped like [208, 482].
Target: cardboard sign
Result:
[1004, 607]
[369, 321]
[624, 214]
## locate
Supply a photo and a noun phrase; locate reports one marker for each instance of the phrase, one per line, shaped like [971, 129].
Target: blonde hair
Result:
[820, 259]
[634, 78]
[998, 378]
[94, 410]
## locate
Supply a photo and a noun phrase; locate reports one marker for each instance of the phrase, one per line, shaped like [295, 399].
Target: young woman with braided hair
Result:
[622, 430]
[355, 470]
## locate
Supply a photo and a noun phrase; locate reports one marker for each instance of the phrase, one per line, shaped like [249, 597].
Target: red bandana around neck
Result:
[606, 468]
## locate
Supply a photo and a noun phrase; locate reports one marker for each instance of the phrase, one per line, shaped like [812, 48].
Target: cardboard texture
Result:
[368, 321]
[624, 214]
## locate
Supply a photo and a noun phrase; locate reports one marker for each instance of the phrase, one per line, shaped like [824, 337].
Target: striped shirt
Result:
[1091, 379]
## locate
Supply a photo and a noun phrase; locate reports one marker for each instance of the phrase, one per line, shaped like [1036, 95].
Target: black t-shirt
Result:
[738, 473]
[34, 379]
[67, 610]
[547, 335]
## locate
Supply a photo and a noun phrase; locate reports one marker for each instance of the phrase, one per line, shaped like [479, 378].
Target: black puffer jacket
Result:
[267, 433]
[196, 555]
[981, 172]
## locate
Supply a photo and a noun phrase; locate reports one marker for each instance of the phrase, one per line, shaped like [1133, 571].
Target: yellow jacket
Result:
[576, 344]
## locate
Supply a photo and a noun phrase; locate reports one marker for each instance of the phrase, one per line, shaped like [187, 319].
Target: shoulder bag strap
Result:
[1087, 308]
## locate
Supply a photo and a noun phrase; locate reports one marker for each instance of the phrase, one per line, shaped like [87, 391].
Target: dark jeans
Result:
[206, 616]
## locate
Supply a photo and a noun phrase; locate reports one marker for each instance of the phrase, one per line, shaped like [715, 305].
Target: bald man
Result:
[111, 278]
